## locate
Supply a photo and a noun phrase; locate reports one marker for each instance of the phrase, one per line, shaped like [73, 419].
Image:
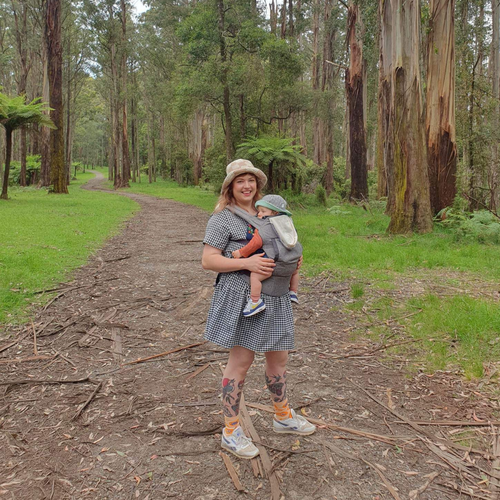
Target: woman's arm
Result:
[213, 260]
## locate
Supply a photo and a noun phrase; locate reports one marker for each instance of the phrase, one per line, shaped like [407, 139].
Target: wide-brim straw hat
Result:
[240, 167]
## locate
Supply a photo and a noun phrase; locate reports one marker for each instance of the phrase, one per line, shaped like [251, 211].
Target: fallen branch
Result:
[417, 428]
[376, 437]
[453, 423]
[119, 258]
[346, 454]
[89, 400]
[232, 472]
[197, 372]
[25, 360]
[47, 382]
[373, 351]
[266, 461]
[166, 353]
[414, 493]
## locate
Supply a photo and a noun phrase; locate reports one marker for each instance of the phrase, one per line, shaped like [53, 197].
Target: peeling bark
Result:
[440, 110]
[408, 172]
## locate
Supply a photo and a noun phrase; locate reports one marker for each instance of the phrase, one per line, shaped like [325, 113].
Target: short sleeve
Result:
[217, 234]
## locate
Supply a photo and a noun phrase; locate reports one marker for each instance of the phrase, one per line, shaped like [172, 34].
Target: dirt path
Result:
[149, 430]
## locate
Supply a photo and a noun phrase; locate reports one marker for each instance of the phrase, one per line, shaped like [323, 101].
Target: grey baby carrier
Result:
[285, 257]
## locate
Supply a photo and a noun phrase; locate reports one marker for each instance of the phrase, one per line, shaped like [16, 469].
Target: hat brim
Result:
[264, 203]
[259, 175]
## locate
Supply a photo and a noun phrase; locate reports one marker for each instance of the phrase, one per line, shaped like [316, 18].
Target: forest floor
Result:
[84, 415]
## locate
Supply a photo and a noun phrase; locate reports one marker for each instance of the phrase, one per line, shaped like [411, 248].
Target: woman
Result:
[270, 332]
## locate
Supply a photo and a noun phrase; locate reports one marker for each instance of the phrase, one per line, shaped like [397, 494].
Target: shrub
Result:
[481, 226]
[33, 166]
[321, 195]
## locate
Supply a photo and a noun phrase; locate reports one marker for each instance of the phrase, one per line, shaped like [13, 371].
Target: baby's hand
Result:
[236, 254]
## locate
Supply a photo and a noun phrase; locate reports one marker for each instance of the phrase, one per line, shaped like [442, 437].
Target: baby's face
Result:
[264, 212]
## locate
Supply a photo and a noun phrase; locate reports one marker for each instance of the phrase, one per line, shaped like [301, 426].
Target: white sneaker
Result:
[293, 297]
[295, 425]
[253, 307]
[238, 444]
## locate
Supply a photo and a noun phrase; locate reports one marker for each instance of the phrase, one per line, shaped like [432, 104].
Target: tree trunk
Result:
[68, 115]
[21, 33]
[316, 123]
[384, 145]
[225, 85]
[355, 103]
[412, 210]
[8, 154]
[495, 76]
[125, 148]
[270, 177]
[327, 84]
[54, 52]
[45, 132]
[133, 139]
[440, 106]
[117, 178]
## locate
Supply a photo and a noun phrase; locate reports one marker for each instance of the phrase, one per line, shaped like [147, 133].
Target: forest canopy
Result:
[387, 100]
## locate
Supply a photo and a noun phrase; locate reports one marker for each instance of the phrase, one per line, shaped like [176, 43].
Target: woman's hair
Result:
[227, 198]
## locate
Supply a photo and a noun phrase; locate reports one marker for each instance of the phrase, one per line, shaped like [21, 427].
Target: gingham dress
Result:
[269, 330]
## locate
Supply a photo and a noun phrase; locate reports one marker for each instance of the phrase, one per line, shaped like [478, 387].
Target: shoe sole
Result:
[240, 456]
[253, 313]
[295, 432]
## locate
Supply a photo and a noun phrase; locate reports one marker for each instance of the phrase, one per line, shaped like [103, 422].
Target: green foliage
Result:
[214, 165]
[321, 195]
[32, 170]
[277, 153]
[480, 226]
[15, 113]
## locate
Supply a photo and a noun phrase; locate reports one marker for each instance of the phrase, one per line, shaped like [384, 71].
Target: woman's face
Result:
[244, 189]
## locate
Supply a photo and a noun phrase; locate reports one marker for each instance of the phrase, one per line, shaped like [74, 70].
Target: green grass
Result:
[44, 237]
[458, 330]
[191, 195]
[355, 241]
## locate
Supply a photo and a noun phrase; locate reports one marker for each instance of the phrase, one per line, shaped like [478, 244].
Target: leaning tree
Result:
[16, 114]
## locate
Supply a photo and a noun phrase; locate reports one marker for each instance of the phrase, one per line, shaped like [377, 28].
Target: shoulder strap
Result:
[251, 219]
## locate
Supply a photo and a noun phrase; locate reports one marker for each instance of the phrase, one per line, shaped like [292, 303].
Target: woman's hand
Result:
[258, 264]
[299, 263]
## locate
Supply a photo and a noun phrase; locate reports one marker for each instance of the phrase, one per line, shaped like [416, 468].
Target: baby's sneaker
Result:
[238, 444]
[253, 307]
[297, 424]
[293, 297]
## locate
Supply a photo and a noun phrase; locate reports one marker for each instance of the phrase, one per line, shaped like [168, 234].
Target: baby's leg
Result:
[294, 282]
[256, 280]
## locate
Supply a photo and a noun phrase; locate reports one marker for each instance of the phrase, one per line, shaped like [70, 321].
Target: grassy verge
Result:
[44, 237]
[395, 276]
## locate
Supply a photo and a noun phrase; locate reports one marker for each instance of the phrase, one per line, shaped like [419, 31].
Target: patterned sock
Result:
[282, 410]
[231, 423]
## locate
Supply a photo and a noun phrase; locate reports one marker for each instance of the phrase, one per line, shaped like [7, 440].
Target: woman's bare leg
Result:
[240, 360]
[276, 382]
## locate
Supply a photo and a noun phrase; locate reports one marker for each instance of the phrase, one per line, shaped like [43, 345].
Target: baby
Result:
[269, 205]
